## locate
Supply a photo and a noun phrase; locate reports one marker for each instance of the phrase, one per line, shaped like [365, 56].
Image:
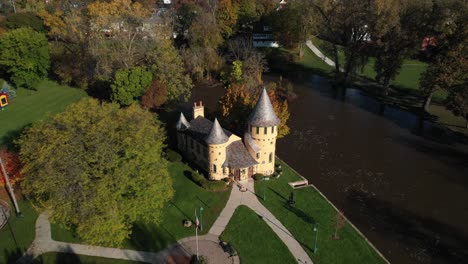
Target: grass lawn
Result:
[16, 237]
[64, 258]
[254, 240]
[311, 208]
[188, 197]
[29, 106]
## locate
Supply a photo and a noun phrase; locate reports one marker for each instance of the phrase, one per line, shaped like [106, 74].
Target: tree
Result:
[24, 55]
[447, 67]
[12, 164]
[344, 24]
[340, 222]
[167, 67]
[155, 96]
[226, 16]
[239, 101]
[98, 169]
[25, 19]
[130, 84]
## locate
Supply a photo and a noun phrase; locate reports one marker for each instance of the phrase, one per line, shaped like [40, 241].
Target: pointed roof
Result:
[263, 114]
[216, 135]
[182, 124]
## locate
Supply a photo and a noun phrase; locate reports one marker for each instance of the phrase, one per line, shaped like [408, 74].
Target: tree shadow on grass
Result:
[11, 256]
[146, 237]
[8, 140]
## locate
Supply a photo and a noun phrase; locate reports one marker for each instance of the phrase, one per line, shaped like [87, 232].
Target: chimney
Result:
[198, 110]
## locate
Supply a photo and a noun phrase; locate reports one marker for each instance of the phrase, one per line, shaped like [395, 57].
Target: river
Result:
[407, 193]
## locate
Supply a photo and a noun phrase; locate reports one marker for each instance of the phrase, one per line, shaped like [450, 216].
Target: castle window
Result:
[198, 149]
[258, 130]
[214, 168]
[191, 143]
[265, 130]
[271, 157]
[272, 129]
[258, 155]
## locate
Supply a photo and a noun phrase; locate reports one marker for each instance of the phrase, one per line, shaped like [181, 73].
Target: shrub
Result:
[214, 185]
[173, 156]
[258, 176]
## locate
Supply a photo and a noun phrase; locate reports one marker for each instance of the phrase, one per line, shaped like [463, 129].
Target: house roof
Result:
[249, 140]
[238, 157]
[200, 128]
[263, 114]
[182, 124]
[216, 135]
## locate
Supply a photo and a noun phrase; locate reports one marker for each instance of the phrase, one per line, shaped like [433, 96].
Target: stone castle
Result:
[223, 154]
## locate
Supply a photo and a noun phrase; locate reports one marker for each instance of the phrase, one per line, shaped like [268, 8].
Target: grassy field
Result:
[16, 237]
[188, 198]
[311, 209]
[30, 106]
[254, 240]
[63, 258]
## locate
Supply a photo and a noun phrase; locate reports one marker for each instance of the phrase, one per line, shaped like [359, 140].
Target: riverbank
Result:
[312, 221]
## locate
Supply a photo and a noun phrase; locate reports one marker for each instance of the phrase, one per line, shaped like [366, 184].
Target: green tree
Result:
[130, 84]
[98, 169]
[24, 56]
[25, 19]
[447, 67]
[167, 67]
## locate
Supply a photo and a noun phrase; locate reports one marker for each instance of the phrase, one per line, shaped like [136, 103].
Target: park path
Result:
[249, 199]
[179, 252]
[319, 54]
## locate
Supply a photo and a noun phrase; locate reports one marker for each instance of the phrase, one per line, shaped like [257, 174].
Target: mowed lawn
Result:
[18, 234]
[30, 106]
[188, 198]
[254, 240]
[63, 258]
[311, 209]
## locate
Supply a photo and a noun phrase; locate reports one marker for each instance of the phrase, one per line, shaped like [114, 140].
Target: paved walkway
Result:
[250, 199]
[179, 252]
[319, 54]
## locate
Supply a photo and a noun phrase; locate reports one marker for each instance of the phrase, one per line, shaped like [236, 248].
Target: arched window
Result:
[272, 129]
[265, 130]
[271, 157]
[258, 155]
[258, 130]
[214, 168]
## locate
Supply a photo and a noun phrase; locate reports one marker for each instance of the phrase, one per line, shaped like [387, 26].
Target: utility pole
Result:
[10, 188]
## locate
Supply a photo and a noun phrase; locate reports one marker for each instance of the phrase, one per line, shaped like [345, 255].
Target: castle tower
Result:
[198, 110]
[263, 129]
[216, 141]
[182, 125]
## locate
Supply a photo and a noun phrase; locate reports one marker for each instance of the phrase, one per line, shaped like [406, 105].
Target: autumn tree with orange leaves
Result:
[239, 101]
[12, 165]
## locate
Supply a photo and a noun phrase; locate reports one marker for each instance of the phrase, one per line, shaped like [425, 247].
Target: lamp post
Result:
[265, 178]
[316, 230]
[201, 218]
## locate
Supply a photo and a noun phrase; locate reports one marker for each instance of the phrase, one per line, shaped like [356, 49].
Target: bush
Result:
[173, 156]
[258, 176]
[214, 185]
[25, 19]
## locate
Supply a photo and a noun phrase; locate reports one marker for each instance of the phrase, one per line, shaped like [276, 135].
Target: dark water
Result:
[407, 193]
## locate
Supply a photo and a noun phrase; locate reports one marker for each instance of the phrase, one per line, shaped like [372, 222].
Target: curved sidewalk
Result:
[249, 199]
[182, 250]
[319, 54]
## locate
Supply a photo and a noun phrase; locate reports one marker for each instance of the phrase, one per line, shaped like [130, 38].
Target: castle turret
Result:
[216, 141]
[263, 129]
[198, 110]
[181, 126]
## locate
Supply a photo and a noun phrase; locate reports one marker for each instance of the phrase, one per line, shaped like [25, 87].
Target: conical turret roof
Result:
[182, 124]
[216, 135]
[263, 114]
